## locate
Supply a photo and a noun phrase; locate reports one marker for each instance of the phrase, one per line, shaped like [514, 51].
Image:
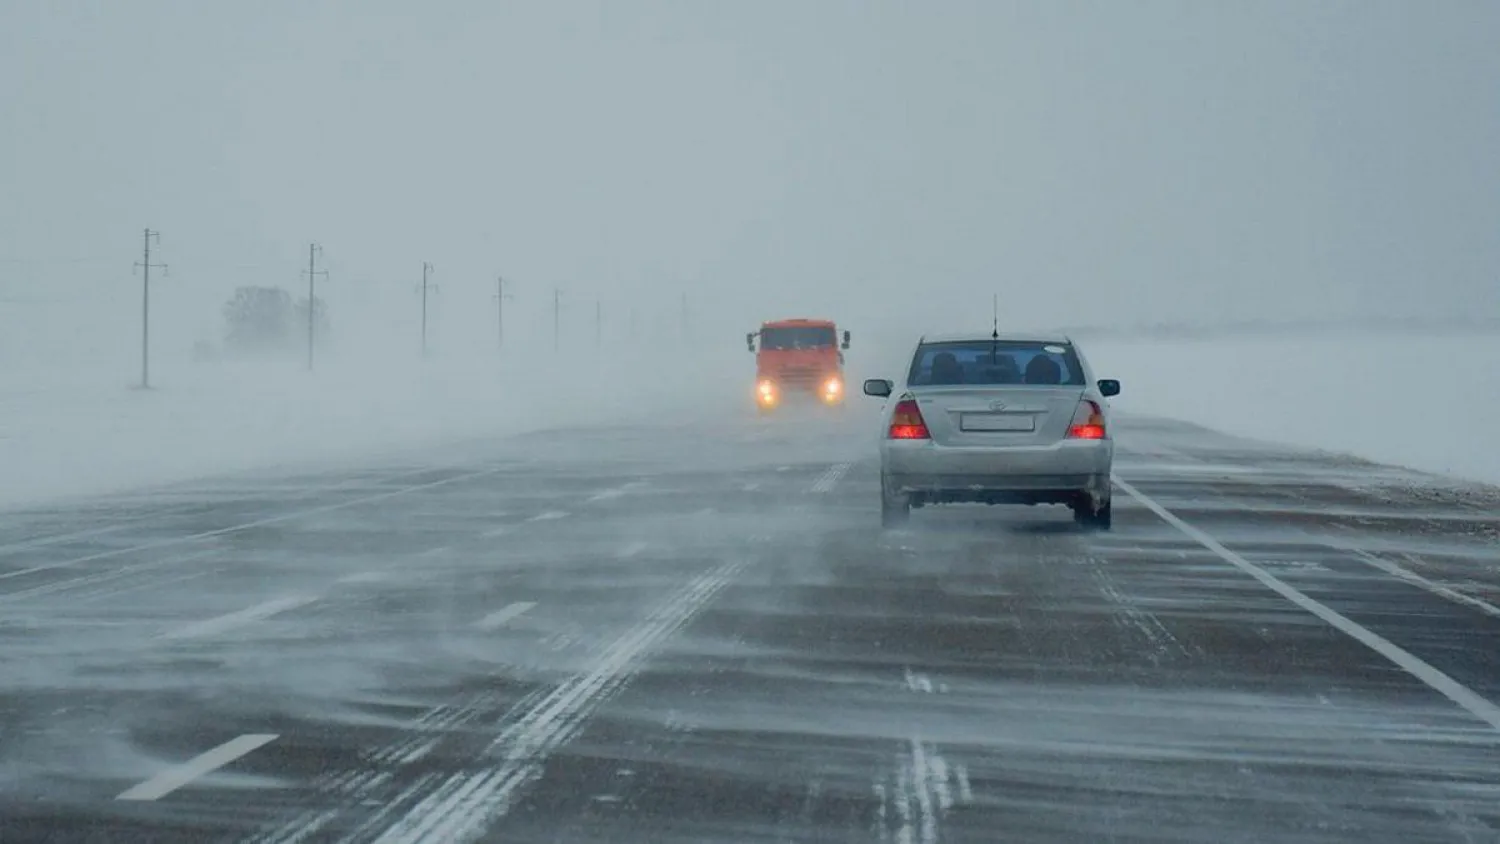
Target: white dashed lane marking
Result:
[174, 778]
[229, 621]
[616, 492]
[504, 615]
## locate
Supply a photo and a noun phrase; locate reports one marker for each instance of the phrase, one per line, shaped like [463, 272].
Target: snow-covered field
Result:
[1422, 402]
[65, 434]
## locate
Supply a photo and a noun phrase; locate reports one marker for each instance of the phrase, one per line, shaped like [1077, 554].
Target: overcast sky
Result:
[864, 160]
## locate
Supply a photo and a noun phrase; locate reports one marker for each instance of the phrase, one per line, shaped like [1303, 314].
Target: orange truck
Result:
[798, 359]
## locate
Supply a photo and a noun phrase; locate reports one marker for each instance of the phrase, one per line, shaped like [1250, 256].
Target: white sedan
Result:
[998, 419]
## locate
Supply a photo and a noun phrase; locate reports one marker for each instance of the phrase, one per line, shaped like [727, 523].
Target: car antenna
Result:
[995, 329]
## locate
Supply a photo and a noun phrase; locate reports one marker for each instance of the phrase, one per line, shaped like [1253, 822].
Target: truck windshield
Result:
[800, 337]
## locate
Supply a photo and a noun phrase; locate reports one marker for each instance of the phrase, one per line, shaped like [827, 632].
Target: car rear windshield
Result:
[797, 337]
[990, 362]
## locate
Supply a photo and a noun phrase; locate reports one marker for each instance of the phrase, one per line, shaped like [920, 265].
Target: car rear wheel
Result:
[895, 508]
[1090, 516]
[1104, 517]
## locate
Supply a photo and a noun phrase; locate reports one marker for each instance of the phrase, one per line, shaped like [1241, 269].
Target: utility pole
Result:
[426, 268]
[313, 250]
[500, 297]
[146, 265]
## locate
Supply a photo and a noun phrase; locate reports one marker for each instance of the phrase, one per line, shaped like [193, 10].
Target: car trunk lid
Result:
[998, 416]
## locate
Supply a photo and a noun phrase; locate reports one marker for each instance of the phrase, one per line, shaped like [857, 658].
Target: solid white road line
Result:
[1403, 659]
[172, 779]
[494, 532]
[229, 621]
[435, 552]
[634, 549]
[173, 512]
[106, 576]
[209, 534]
[549, 516]
[1430, 585]
[504, 614]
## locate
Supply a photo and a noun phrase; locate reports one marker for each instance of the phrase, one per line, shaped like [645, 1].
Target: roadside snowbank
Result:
[1423, 402]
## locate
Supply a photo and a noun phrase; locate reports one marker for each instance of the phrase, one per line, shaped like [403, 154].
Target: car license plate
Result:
[997, 422]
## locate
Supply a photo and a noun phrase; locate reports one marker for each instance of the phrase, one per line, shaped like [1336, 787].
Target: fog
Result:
[513, 553]
[670, 174]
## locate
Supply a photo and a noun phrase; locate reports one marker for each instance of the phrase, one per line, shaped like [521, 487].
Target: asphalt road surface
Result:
[698, 632]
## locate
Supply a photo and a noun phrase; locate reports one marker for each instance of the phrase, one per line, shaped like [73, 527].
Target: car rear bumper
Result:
[1056, 473]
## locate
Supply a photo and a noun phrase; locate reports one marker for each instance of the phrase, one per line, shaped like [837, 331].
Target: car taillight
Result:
[907, 422]
[1088, 422]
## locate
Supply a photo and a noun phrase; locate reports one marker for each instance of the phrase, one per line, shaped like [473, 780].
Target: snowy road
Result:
[698, 633]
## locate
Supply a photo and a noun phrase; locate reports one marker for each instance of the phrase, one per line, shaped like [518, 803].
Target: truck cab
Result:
[798, 360]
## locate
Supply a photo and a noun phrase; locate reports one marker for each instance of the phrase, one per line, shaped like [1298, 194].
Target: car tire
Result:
[1082, 508]
[894, 513]
[1104, 516]
[895, 508]
[1091, 517]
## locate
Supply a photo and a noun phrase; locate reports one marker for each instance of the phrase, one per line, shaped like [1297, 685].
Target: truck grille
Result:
[800, 376]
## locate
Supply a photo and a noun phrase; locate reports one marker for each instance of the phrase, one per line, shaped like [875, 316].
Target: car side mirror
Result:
[878, 387]
[846, 340]
[750, 341]
[1109, 387]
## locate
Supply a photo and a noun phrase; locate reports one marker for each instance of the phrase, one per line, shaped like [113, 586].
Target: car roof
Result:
[1005, 336]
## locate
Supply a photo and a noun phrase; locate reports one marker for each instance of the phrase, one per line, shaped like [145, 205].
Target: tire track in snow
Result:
[911, 806]
[830, 478]
[349, 788]
[1128, 615]
[464, 806]
[458, 806]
